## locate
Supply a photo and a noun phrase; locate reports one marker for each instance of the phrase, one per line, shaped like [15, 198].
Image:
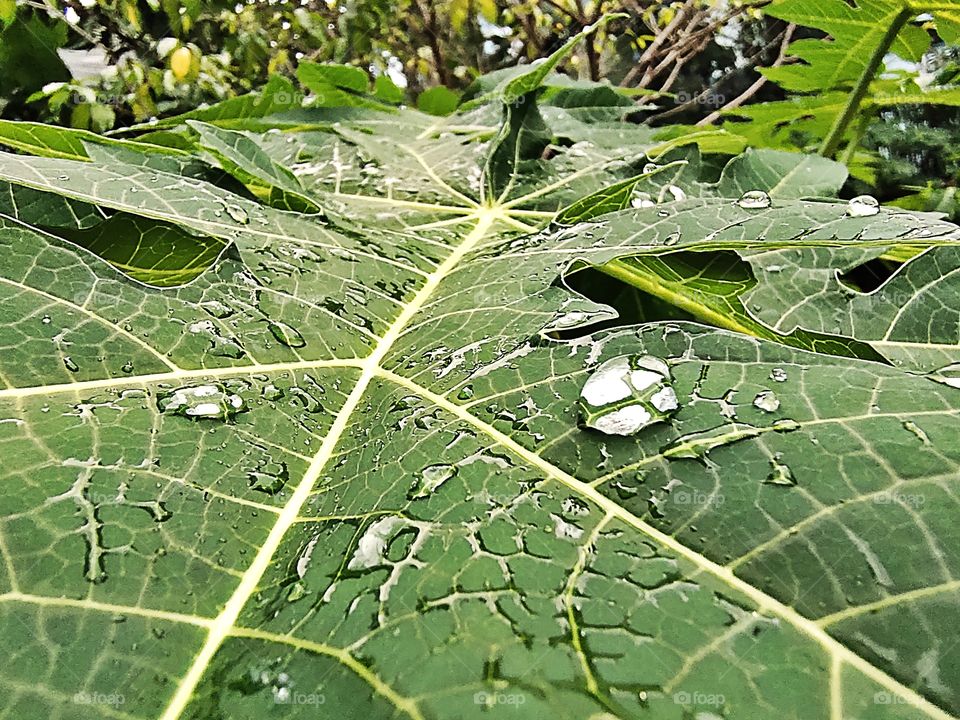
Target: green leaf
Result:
[385, 89]
[8, 11]
[320, 77]
[344, 466]
[438, 101]
[242, 157]
[66, 143]
[854, 30]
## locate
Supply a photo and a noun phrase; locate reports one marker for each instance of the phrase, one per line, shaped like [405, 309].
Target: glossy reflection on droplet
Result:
[767, 401]
[210, 401]
[626, 394]
[863, 206]
[286, 334]
[430, 479]
[754, 200]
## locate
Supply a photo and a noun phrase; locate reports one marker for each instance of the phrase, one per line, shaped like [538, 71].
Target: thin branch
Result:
[756, 86]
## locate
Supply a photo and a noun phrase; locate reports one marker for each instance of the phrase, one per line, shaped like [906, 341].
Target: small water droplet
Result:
[127, 367]
[46, 320]
[70, 364]
[285, 334]
[780, 474]
[863, 206]
[767, 401]
[271, 392]
[626, 394]
[912, 427]
[754, 200]
[650, 168]
[430, 479]
[778, 375]
[237, 213]
[466, 392]
[217, 308]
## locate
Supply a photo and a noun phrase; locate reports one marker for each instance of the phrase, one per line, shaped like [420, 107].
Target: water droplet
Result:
[767, 401]
[678, 194]
[949, 375]
[46, 320]
[863, 206]
[285, 334]
[780, 474]
[306, 399]
[431, 478]
[226, 347]
[211, 401]
[650, 168]
[778, 375]
[911, 426]
[70, 364]
[127, 367]
[626, 394]
[237, 213]
[466, 392]
[268, 477]
[754, 200]
[217, 308]
[699, 444]
[271, 392]
[642, 200]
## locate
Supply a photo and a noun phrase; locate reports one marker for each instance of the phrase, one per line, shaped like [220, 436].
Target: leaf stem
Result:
[859, 92]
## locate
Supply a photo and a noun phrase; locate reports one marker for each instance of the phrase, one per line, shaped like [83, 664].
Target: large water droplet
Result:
[626, 394]
[211, 401]
[863, 206]
[431, 478]
[285, 334]
[767, 401]
[70, 364]
[754, 200]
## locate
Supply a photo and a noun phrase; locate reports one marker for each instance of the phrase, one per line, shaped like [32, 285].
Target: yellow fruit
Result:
[181, 62]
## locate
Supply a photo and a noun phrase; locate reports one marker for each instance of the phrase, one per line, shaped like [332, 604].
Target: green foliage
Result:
[297, 392]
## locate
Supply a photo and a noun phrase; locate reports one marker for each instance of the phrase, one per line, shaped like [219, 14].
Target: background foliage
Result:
[103, 64]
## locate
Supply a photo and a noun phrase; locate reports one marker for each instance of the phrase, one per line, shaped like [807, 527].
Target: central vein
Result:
[222, 625]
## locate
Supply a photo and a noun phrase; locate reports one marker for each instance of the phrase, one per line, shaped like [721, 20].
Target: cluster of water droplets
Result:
[626, 394]
[206, 401]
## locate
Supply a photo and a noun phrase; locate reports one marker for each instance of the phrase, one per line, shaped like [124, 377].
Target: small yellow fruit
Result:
[181, 62]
